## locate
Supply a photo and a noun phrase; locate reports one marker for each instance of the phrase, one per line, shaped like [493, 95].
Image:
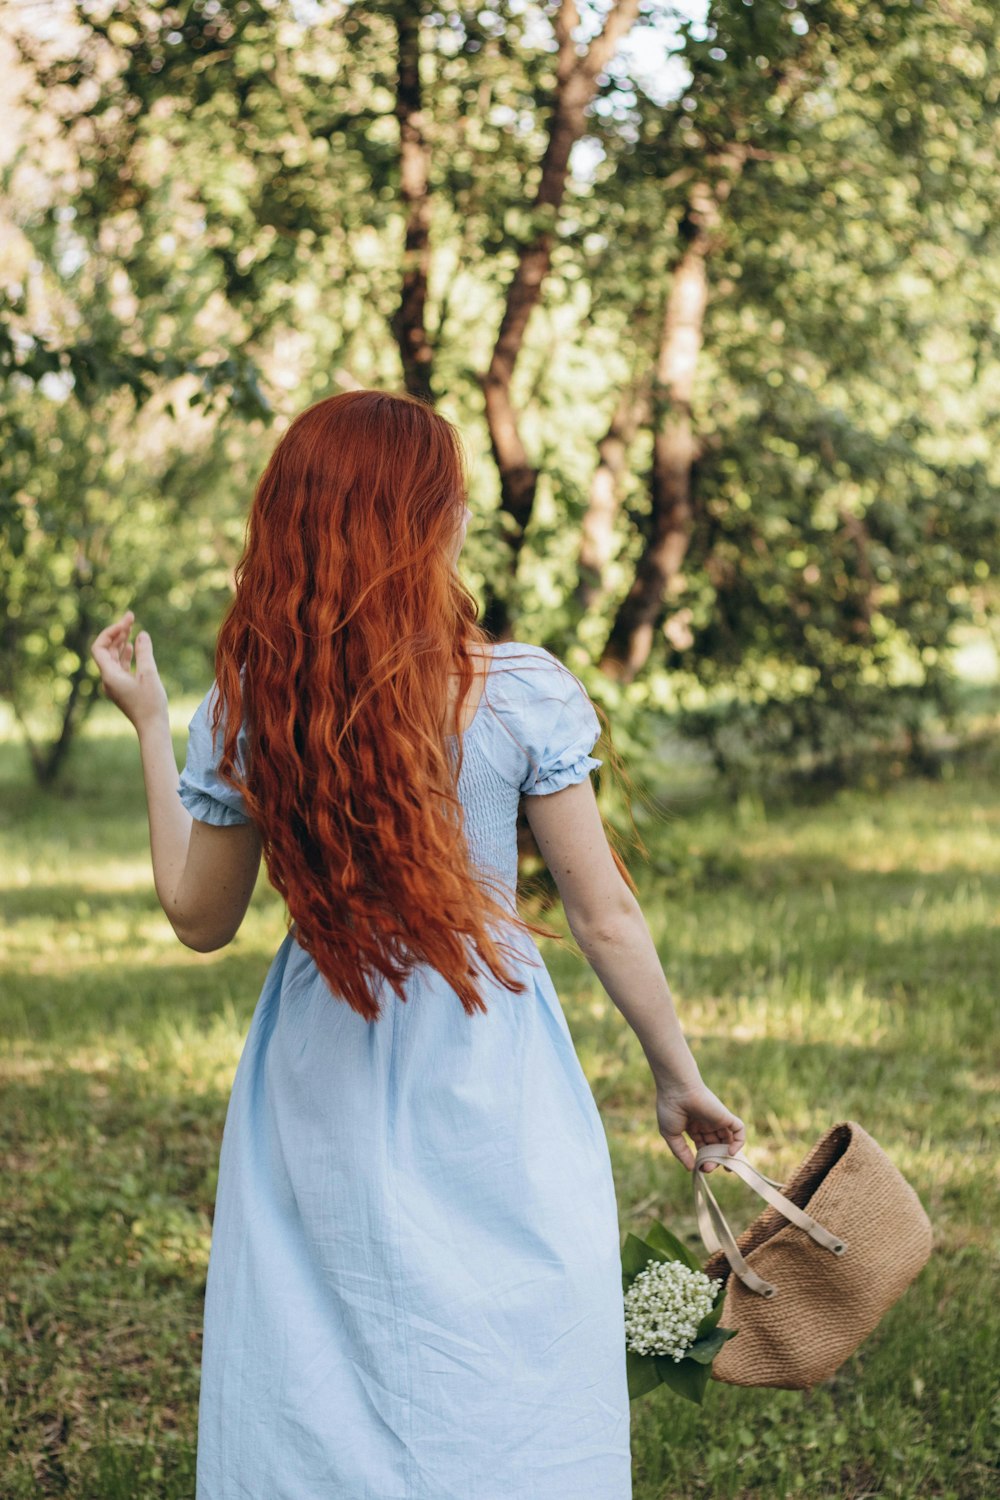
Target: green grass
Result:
[830, 958]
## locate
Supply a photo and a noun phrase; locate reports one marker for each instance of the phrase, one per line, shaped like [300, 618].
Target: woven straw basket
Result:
[804, 1289]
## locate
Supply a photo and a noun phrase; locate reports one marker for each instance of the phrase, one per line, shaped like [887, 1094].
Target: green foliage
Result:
[207, 225]
[107, 507]
[845, 488]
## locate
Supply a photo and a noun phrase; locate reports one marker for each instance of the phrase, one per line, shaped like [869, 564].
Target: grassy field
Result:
[831, 957]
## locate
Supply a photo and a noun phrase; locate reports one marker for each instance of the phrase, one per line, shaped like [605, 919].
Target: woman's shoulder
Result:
[523, 669]
[542, 708]
[529, 686]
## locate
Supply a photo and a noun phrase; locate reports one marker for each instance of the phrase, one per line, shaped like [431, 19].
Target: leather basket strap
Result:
[716, 1232]
[712, 1222]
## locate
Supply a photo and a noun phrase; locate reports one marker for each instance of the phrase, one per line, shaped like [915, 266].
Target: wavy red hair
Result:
[348, 618]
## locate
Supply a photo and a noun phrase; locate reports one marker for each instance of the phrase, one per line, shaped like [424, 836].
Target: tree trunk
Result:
[675, 445]
[597, 533]
[47, 760]
[576, 84]
[408, 322]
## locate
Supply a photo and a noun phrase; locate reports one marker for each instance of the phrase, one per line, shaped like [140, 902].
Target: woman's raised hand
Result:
[140, 695]
[692, 1107]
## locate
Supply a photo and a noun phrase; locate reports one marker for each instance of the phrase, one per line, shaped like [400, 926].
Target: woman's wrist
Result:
[151, 724]
[677, 1073]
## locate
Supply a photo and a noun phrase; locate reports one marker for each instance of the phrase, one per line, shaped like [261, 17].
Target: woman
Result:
[414, 1290]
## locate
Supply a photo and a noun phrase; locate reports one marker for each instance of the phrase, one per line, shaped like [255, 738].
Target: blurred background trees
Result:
[707, 289]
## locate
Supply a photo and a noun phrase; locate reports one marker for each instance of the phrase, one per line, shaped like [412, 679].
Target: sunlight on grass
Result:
[829, 961]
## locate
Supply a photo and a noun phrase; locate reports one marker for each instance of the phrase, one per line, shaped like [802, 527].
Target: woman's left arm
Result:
[204, 875]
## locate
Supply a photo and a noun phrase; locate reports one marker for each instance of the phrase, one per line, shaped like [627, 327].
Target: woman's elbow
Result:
[200, 941]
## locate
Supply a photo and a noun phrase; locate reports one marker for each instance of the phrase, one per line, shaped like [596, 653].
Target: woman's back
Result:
[415, 1284]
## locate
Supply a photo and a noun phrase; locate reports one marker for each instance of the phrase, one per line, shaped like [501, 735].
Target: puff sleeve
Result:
[571, 734]
[203, 793]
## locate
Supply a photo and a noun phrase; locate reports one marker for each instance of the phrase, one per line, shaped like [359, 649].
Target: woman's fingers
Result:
[108, 650]
[113, 636]
[140, 695]
[703, 1116]
[115, 628]
[124, 649]
[731, 1134]
[112, 651]
[681, 1150]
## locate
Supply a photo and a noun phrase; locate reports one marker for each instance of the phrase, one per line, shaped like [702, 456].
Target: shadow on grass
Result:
[130, 1002]
[833, 927]
[95, 1154]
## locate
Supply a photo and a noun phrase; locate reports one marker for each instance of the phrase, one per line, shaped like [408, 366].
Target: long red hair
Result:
[347, 620]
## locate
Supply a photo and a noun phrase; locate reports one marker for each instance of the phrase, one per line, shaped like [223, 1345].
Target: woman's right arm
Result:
[607, 923]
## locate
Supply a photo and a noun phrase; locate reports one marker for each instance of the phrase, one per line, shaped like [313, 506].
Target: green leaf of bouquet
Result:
[636, 1256]
[705, 1349]
[686, 1377]
[642, 1373]
[661, 1239]
[712, 1317]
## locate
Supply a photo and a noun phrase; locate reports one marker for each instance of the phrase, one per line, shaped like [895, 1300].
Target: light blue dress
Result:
[414, 1290]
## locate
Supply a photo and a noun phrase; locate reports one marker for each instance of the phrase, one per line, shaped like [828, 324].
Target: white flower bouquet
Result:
[672, 1312]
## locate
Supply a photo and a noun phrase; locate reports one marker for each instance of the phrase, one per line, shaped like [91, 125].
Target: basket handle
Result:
[717, 1234]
